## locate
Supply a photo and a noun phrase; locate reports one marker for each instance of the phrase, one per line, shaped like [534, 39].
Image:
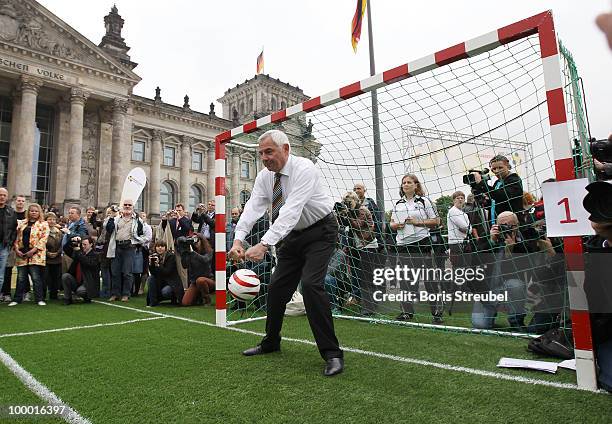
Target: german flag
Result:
[356, 25]
[260, 63]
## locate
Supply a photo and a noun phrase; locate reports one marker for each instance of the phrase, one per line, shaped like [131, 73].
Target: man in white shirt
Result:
[302, 218]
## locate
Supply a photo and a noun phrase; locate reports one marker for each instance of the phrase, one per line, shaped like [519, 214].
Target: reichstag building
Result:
[71, 128]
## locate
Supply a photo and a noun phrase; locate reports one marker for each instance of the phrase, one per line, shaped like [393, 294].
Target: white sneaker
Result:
[13, 304]
[42, 303]
[27, 297]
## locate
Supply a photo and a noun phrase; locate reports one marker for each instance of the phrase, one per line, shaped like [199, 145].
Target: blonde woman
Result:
[31, 251]
[412, 217]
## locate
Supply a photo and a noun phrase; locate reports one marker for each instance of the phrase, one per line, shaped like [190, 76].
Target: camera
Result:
[154, 259]
[184, 244]
[601, 150]
[469, 178]
[75, 241]
[506, 230]
[114, 208]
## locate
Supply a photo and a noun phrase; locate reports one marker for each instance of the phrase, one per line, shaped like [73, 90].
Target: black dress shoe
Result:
[258, 350]
[333, 366]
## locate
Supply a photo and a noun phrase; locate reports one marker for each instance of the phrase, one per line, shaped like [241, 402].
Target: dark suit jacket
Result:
[184, 227]
[90, 268]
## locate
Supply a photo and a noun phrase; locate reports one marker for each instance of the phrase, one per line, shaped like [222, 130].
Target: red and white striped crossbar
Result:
[541, 24]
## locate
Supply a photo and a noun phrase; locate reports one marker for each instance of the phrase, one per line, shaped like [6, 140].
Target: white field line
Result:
[69, 415]
[395, 358]
[80, 327]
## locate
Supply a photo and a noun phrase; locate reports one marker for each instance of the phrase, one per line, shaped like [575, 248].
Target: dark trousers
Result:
[6, 284]
[72, 285]
[52, 280]
[304, 256]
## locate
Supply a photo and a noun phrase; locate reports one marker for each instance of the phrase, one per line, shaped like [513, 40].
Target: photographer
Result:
[83, 276]
[358, 218]
[597, 281]
[196, 256]
[504, 257]
[164, 282]
[506, 193]
[93, 224]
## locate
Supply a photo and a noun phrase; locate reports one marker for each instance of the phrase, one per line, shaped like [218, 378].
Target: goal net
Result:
[508, 93]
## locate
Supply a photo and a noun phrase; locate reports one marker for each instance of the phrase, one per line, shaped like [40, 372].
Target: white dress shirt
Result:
[458, 225]
[306, 202]
[417, 207]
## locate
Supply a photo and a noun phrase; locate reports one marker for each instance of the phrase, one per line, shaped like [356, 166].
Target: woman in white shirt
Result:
[458, 224]
[412, 217]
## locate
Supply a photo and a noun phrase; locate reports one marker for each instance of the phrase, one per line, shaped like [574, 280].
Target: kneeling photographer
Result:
[196, 256]
[506, 193]
[164, 281]
[597, 280]
[83, 276]
[504, 257]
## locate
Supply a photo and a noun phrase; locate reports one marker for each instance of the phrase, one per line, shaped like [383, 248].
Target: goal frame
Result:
[541, 24]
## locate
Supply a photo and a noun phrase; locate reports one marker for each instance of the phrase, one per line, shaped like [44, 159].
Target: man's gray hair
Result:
[278, 137]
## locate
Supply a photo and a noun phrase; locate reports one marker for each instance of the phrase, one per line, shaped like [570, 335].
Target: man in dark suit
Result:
[180, 226]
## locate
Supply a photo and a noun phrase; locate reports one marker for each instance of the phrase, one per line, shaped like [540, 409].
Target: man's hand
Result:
[31, 253]
[494, 232]
[65, 230]
[256, 253]
[18, 253]
[598, 165]
[236, 253]
[477, 177]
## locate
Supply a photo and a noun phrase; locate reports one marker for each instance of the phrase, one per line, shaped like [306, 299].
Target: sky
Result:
[202, 48]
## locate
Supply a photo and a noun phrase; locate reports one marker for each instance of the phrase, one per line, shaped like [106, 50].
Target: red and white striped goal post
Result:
[541, 24]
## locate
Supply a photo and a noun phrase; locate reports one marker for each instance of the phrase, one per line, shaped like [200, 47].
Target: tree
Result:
[443, 204]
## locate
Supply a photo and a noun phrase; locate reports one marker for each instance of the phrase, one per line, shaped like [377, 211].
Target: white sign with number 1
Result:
[565, 215]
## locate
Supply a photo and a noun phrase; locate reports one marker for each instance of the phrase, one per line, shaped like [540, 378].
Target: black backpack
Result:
[557, 342]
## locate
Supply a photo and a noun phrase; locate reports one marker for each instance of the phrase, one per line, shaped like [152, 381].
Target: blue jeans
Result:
[121, 269]
[4, 253]
[604, 361]
[484, 313]
[106, 282]
[34, 271]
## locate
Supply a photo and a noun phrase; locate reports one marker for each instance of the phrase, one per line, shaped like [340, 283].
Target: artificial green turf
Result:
[167, 370]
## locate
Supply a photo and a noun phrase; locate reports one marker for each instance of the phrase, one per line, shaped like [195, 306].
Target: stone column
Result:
[14, 142]
[75, 149]
[22, 152]
[119, 150]
[185, 169]
[60, 154]
[155, 175]
[210, 170]
[105, 149]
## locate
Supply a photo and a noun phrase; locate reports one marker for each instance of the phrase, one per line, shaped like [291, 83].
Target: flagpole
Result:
[378, 171]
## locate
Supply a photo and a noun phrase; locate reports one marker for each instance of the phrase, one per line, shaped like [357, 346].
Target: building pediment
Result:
[27, 25]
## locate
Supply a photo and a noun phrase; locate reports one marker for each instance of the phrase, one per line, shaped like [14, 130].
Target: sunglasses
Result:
[127, 204]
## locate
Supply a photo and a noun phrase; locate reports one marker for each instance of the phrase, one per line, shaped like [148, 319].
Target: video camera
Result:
[184, 244]
[601, 150]
[469, 178]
